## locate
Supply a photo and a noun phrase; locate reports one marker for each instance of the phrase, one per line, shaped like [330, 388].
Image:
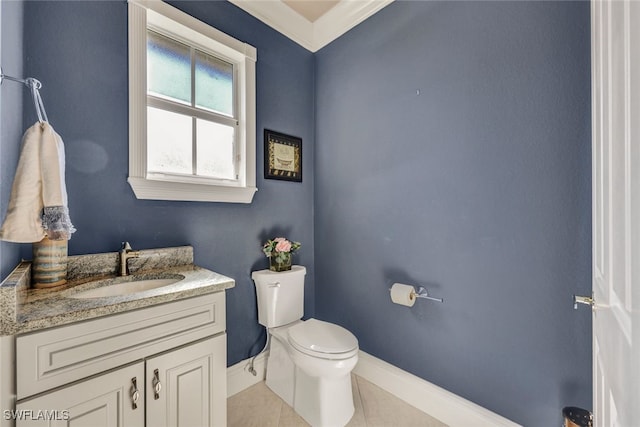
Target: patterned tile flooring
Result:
[258, 406]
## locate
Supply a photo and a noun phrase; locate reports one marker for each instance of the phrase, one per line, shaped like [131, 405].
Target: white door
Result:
[615, 49]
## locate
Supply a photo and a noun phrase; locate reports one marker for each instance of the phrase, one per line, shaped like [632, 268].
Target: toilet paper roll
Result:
[403, 294]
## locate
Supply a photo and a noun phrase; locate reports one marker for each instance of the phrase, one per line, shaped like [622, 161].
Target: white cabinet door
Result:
[103, 401]
[187, 387]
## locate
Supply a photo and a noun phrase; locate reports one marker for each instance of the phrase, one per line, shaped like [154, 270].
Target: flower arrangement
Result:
[279, 252]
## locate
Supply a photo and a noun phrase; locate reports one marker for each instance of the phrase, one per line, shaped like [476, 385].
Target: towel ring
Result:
[35, 85]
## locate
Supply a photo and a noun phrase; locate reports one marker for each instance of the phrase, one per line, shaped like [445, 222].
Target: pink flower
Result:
[283, 245]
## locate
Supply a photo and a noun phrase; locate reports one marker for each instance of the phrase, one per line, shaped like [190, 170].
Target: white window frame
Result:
[155, 14]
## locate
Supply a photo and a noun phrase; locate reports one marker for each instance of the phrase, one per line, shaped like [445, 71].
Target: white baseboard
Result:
[239, 377]
[447, 407]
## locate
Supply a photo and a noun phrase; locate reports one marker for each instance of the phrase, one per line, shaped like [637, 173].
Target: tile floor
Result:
[258, 406]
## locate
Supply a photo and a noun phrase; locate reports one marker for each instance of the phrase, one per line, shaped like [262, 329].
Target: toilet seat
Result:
[323, 340]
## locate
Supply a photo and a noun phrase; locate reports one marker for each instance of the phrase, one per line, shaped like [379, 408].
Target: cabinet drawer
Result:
[58, 356]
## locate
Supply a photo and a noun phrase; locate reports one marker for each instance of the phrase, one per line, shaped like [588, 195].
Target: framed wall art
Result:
[282, 156]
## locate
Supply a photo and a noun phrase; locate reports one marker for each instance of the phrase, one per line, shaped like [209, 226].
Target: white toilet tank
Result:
[280, 295]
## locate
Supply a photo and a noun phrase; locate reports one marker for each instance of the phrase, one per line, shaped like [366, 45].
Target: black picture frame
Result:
[282, 156]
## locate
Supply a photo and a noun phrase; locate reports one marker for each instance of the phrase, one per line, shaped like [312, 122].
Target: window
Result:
[191, 108]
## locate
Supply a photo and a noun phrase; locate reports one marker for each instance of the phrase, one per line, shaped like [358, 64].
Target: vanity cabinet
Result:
[164, 365]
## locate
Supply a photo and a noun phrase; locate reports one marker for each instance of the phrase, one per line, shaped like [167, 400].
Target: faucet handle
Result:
[126, 246]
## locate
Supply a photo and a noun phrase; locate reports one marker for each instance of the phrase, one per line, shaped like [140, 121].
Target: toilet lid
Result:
[322, 337]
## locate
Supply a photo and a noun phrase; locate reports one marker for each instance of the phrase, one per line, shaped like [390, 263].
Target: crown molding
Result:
[343, 17]
[312, 35]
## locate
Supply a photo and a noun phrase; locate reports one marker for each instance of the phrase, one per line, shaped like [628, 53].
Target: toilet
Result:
[310, 362]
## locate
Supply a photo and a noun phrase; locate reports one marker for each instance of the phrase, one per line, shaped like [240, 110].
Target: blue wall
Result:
[11, 127]
[477, 187]
[79, 52]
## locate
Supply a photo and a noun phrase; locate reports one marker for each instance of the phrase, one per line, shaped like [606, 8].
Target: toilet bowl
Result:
[315, 382]
[310, 362]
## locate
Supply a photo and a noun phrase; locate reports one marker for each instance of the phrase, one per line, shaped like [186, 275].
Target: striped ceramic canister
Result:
[49, 267]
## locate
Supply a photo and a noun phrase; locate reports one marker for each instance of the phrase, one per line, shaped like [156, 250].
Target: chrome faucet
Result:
[125, 254]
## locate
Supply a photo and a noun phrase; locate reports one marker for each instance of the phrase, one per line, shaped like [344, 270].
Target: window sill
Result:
[163, 190]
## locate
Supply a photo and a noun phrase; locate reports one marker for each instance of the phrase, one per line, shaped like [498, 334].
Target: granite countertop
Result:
[23, 309]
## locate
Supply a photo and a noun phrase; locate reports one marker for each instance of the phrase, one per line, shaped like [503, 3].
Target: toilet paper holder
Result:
[421, 292]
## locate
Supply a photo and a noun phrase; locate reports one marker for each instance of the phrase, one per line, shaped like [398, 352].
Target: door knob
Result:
[582, 300]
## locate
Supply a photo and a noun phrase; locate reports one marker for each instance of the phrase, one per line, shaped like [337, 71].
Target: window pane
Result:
[214, 84]
[169, 142]
[215, 150]
[168, 68]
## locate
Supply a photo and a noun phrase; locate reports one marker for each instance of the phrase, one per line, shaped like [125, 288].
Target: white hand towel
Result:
[38, 203]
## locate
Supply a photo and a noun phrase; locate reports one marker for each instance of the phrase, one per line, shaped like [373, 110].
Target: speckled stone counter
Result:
[23, 309]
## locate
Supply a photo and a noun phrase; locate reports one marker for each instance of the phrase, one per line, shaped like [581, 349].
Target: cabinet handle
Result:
[135, 394]
[157, 385]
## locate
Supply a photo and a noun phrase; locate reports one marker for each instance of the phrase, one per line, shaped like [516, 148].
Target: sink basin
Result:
[127, 288]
